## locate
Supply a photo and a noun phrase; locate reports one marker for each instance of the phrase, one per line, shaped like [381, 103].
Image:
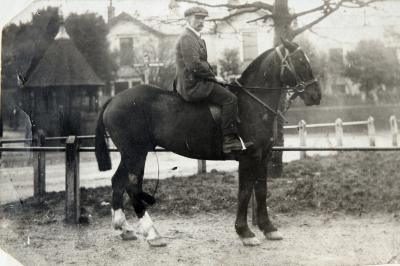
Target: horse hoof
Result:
[128, 235]
[157, 242]
[274, 235]
[251, 241]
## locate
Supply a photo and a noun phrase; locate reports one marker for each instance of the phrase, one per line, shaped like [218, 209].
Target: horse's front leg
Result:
[260, 189]
[247, 177]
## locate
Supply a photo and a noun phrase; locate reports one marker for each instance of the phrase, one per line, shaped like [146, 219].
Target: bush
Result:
[230, 62]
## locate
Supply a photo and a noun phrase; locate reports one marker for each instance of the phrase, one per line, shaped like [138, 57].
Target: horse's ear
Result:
[288, 45]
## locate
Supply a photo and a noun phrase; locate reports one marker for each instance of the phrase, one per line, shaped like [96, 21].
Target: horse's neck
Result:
[267, 78]
[266, 73]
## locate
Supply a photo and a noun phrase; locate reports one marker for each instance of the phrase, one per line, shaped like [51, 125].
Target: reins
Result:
[297, 89]
[266, 106]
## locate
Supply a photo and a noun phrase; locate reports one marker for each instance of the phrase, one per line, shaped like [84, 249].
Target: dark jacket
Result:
[193, 72]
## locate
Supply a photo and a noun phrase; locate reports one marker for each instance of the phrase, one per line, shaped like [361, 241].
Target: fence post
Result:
[339, 132]
[394, 129]
[72, 196]
[201, 166]
[302, 137]
[39, 165]
[371, 131]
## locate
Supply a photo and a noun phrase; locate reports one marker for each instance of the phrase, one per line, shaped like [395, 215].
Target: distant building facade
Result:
[139, 51]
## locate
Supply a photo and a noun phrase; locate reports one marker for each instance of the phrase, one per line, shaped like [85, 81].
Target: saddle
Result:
[215, 110]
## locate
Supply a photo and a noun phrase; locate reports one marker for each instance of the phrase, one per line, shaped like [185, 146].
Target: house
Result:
[146, 44]
[163, 20]
[140, 51]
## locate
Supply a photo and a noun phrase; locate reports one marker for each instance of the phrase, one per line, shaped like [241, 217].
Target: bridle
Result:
[286, 63]
[294, 91]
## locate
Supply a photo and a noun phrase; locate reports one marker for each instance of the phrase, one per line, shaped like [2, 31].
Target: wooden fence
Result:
[72, 150]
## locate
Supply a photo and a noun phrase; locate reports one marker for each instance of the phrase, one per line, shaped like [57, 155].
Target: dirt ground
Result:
[334, 210]
[209, 239]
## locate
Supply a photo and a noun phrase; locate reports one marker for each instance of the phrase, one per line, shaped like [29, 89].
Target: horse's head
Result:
[296, 73]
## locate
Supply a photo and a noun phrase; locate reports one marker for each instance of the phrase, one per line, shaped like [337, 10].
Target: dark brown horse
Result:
[144, 117]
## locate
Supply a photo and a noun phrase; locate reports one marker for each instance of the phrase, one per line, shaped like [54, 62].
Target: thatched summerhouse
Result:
[62, 91]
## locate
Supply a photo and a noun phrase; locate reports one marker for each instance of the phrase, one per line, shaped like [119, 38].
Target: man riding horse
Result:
[144, 117]
[196, 80]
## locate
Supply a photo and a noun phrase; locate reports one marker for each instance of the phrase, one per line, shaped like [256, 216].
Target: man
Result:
[196, 80]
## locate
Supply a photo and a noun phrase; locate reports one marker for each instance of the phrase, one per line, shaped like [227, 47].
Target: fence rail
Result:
[72, 150]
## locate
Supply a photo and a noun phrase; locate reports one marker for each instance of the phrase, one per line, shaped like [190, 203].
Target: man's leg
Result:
[229, 116]
[228, 103]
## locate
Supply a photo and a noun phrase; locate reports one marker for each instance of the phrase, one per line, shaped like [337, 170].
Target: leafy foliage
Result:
[230, 62]
[165, 75]
[89, 33]
[25, 44]
[372, 65]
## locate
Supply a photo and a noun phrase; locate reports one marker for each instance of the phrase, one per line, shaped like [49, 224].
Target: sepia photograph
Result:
[199, 132]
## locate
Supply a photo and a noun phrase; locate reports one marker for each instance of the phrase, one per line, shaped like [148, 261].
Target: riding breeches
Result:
[229, 109]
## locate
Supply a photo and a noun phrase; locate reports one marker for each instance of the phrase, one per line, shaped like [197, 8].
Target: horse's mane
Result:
[255, 64]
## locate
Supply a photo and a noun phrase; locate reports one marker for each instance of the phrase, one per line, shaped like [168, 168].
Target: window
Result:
[250, 47]
[126, 51]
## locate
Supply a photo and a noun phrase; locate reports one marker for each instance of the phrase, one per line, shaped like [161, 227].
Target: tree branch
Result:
[256, 4]
[265, 17]
[243, 11]
[359, 3]
[319, 8]
[341, 3]
[312, 23]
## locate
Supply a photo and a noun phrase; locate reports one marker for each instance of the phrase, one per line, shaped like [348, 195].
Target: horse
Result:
[139, 119]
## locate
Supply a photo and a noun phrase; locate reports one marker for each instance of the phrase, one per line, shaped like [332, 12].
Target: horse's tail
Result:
[101, 149]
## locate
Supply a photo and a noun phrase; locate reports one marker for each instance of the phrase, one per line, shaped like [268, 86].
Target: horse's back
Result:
[149, 116]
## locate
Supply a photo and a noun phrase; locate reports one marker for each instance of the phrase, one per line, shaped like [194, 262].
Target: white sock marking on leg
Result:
[119, 220]
[146, 226]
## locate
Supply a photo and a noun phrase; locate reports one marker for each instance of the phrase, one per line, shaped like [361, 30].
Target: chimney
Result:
[110, 12]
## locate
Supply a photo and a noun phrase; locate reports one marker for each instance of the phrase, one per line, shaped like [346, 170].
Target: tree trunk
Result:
[282, 29]
[282, 21]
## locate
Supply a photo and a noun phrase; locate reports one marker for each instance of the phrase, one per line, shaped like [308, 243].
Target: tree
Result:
[230, 61]
[165, 75]
[25, 44]
[279, 13]
[372, 65]
[89, 33]
[284, 27]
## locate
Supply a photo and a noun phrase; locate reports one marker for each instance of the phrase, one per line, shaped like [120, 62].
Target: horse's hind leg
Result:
[139, 199]
[260, 189]
[119, 183]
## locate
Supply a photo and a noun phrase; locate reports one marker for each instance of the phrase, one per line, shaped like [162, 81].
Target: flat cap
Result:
[197, 11]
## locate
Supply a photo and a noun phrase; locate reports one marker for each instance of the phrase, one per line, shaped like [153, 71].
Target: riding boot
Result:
[233, 143]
